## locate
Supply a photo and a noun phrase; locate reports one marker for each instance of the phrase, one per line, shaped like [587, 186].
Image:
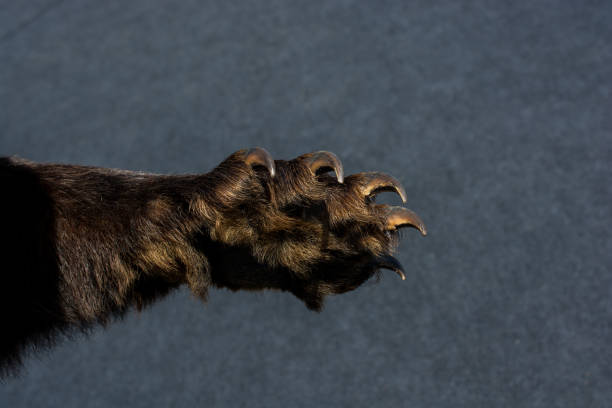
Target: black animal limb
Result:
[85, 244]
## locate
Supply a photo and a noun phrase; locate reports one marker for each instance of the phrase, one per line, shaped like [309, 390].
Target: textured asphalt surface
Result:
[496, 116]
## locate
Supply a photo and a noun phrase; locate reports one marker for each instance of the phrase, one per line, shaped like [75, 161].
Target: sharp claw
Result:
[324, 159]
[389, 262]
[399, 216]
[378, 182]
[258, 156]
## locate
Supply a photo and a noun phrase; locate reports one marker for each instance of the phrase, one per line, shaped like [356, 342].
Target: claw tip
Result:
[326, 160]
[258, 156]
[389, 262]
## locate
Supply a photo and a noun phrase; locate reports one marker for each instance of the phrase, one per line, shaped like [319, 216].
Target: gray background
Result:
[497, 117]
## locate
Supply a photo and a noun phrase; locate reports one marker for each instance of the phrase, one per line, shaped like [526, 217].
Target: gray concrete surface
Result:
[497, 116]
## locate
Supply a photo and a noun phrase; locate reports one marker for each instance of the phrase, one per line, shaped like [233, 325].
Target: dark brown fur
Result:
[84, 244]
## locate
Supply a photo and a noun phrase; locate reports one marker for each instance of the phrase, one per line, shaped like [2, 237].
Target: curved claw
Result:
[258, 156]
[399, 216]
[324, 159]
[378, 182]
[389, 262]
